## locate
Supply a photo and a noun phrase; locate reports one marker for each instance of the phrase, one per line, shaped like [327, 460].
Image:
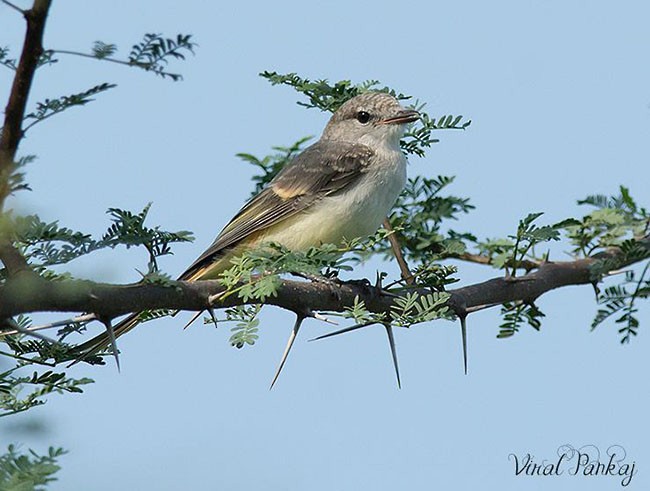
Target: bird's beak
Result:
[402, 117]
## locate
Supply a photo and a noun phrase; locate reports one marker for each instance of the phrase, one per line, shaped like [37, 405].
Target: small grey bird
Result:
[343, 186]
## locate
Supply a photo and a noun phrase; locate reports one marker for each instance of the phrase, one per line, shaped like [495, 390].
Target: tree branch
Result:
[31, 293]
[15, 7]
[15, 110]
[526, 264]
[397, 251]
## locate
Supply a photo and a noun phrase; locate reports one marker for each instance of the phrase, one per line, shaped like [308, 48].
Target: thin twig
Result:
[147, 66]
[527, 264]
[74, 320]
[397, 251]
[93, 57]
[43, 118]
[28, 360]
[27, 332]
[15, 7]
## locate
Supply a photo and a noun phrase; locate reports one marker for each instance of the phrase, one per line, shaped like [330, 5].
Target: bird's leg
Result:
[332, 282]
[393, 352]
[292, 338]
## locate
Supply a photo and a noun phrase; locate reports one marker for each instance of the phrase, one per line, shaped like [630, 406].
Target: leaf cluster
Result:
[129, 229]
[517, 313]
[6, 60]
[14, 176]
[518, 251]
[617, 222]
[323, 95]
[51, 107]
[49, 244]
[418, 218]
[419, 136]
[414, 308]
[255, 275]
[246, 324]
[102, 50]
[620, 301]
[360, 314]
[614, 220]
[19, 393]
[529, 235]
[28, 471]
[153, 53]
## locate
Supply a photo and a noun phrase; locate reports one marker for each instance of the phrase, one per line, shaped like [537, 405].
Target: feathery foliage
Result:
[16, 396]
[154, 52]
[50, 107]
[328, 97]
[28, 471]
[517, 313]
[6, 60]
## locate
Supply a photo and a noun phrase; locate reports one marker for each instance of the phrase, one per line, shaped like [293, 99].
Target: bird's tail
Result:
[103, 340]
[205, 268]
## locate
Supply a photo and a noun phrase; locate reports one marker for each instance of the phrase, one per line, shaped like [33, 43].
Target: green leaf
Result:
[51, 107]
[103, 50]
[154, 52]
[29, 471]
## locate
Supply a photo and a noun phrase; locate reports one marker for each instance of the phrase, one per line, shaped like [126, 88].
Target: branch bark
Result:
[30, 293]
[12, 131]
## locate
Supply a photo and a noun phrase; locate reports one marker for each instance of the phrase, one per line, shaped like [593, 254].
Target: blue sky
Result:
[558, 94]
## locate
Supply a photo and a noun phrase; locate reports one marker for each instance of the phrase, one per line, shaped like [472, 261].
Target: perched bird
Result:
[343, 186]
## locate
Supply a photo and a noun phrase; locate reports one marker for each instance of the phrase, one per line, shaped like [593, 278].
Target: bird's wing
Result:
[323, 169]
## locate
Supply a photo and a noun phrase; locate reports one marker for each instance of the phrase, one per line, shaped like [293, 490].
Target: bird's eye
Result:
[363, 117]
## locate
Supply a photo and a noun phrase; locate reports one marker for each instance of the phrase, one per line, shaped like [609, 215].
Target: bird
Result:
[341, 187]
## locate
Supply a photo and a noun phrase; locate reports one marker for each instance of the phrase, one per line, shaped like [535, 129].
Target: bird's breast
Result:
[356, 211]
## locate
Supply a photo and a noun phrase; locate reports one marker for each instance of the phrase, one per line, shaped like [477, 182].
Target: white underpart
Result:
[355, 212]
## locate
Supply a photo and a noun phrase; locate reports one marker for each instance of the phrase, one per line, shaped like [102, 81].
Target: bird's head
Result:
[371, 118]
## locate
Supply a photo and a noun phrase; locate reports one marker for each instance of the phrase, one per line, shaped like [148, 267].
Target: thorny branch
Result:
[30, 293]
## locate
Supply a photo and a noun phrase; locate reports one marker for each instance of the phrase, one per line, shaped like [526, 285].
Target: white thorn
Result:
[292, 338]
